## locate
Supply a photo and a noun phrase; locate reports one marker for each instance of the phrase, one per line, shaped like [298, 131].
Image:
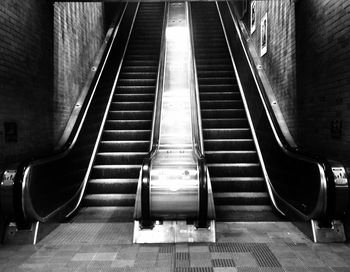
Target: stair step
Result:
[222, 104]
[219, 95]
[238, 184]
[137, 82]
[115, 106]
[115, 135]
[109, 200]
[228, 144]
[241, 198]
[218, 88]
[135, 90]
[131, 115]
[138, 97]
[124, 146]
[231, 156]
[234, 169]
[128, 124]
[120, 158]
[225, 123]
[113, 186]
[115, 171]
[227, 133]
[223, 113]
[138, 75]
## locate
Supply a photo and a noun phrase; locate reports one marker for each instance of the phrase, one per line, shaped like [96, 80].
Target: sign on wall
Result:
[263, 35]
[252, 17]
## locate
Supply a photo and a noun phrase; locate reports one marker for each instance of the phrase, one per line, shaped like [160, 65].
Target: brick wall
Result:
[323, 31]
[78, 35]
[46, 51]
[26, 76]
[279, 63]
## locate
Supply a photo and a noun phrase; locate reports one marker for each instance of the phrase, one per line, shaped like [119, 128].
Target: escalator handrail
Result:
[320, 208]
[27, 204]
[197, 118]
[154, 143]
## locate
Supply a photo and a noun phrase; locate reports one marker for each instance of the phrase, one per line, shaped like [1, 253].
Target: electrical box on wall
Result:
[336, 129]
[10, 132]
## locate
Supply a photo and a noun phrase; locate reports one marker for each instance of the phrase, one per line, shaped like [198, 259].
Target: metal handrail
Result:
[154, 143]
[196, 118]
[322, 164]
[27, 204]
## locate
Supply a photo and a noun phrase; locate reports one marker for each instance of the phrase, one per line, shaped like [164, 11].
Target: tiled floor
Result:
[246, 247]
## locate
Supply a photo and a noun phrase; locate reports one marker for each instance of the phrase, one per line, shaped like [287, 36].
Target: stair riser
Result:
[232, 158]
[234, 171]
[124, 147]
[98, 173]
[131, 106]
[137, 82]
[126, 135]
[236, 104]
[216, 146]
[239, 186]
[120, 159]
[225, 123]
[226, 134]
[223, 114]
[220, 96]
[115, 188]
[218, 88]
[127, 124]
[131, 115]
[135, 90]
[241, 201]
[108, 202]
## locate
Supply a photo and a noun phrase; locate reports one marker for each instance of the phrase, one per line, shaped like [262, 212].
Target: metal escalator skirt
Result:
[174, 185]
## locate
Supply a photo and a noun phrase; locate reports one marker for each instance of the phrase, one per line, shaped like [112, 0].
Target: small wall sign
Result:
[263, 35]
[336, 129]
[10, 129]
[252, 17]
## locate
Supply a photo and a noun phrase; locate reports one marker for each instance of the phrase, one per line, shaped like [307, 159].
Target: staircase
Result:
[111, 189]
[240, 192]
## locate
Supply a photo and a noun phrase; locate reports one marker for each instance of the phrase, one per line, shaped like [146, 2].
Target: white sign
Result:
[339, 175]
[252, 17]
[263, 35]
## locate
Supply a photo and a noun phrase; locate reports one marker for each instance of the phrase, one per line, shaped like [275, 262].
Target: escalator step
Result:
[234, 169]
[109, 200]
[103, 186]
[120, 158]
[226, 133]
[115, 171]
[115, 135]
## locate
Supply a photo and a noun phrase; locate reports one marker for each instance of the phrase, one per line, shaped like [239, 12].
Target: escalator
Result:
[93, 176]
[240, 192]
[111, 189]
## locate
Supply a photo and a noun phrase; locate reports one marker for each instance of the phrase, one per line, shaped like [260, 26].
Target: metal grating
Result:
[182, 256]
[167, 249]
[194, 269]
[232, 247]
[90, 233]
[223, 263]
[264, 257]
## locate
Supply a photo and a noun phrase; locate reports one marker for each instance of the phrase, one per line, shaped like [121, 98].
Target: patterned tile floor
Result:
[240, 247]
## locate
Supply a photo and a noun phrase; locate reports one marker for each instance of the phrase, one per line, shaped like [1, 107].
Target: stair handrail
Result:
[328, 206]
[24, 210]
[144, 177]
[205, 209]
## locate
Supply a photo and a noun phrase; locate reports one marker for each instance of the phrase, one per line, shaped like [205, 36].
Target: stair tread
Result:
[240, 194]
[110, 196]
